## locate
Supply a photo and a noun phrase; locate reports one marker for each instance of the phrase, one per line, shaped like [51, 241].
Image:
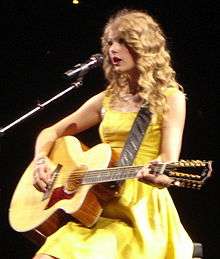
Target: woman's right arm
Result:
[87, 116]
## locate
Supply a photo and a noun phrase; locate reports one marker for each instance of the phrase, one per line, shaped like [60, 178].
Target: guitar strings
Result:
[114, 171]
[109, 172]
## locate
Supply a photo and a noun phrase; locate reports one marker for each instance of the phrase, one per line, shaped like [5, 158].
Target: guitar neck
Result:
[110, 174]
[185, 173]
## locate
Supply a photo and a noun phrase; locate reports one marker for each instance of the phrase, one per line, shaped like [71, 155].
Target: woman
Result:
[142, 222]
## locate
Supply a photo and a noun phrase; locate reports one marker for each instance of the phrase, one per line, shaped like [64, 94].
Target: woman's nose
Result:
[115, 47]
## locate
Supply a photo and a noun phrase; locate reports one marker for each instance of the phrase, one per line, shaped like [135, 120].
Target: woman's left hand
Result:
[145, 175]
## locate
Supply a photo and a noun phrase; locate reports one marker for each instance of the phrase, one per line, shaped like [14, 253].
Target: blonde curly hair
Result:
[143, 35]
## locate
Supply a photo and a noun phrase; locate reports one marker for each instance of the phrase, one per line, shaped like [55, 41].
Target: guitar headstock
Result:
[189, 173]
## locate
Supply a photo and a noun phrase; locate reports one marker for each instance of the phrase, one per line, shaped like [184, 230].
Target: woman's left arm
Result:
[171, 141]
[172, 127]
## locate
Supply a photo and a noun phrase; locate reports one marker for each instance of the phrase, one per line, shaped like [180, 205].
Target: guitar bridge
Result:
[50, 186]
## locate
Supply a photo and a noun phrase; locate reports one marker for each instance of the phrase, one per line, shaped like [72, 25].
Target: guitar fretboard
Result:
[110, 174]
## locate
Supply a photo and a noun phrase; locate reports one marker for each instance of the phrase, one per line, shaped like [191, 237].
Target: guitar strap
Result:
[135, 136]
[134, 139]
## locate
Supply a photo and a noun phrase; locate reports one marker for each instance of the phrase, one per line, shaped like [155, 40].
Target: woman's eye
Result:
[109, 42]
[121, 41]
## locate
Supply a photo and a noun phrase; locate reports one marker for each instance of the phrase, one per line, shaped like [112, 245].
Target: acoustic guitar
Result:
[78, 192]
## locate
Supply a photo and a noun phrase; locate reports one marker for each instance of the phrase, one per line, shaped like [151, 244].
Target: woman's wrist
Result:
[40, 159]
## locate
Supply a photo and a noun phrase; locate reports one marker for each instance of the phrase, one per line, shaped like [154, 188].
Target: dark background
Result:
[40, 40]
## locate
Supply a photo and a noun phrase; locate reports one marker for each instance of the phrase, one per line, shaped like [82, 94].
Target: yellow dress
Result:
[142, 224]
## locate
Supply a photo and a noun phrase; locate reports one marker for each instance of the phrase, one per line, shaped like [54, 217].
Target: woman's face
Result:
[119, 54]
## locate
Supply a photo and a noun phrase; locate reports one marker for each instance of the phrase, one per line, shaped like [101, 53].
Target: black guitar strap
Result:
[134, 139]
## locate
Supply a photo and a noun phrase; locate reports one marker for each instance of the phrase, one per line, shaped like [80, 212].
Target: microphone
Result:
[81, 69]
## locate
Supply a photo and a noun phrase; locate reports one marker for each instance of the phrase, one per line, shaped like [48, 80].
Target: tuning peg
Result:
[188, 163]
[199, 163]
[181, 162]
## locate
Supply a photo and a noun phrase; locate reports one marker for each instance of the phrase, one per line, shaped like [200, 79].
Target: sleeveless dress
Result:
[142, 224]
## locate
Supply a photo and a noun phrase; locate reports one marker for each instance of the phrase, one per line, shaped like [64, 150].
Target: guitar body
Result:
[34, 212]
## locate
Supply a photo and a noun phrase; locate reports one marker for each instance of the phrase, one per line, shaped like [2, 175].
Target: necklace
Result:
[129, 97]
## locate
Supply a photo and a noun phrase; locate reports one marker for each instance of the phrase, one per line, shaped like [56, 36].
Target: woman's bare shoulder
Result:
[96, 100]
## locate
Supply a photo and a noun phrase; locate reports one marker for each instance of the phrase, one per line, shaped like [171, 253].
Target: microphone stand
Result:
[40, 106]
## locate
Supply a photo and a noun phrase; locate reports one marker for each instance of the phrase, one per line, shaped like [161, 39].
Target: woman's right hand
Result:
[42, 174]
